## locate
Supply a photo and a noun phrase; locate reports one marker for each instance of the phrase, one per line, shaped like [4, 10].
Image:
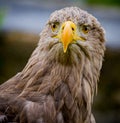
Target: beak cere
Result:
[66, 35]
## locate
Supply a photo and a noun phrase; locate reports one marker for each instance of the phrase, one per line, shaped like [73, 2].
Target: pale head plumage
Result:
[63, 83]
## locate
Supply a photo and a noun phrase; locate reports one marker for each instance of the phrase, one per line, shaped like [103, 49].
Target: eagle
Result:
[60, 80]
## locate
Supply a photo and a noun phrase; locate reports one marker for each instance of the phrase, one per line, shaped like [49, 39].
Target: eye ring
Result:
[54, 26]
[85, 29]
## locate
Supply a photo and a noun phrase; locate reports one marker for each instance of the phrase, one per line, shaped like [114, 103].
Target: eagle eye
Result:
[54, 26]
[85, 29]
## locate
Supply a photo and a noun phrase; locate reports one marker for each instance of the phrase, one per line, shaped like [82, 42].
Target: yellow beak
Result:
[68, 34]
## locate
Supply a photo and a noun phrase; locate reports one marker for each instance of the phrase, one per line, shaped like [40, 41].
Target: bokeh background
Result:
[20, 25]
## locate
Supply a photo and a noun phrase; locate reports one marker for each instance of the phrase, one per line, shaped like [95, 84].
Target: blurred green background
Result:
[104, 2]
[21, 23]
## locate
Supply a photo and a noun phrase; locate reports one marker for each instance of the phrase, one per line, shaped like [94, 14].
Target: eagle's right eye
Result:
[55, 26]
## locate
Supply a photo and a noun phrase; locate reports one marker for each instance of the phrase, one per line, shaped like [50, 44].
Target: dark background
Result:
[21, 23]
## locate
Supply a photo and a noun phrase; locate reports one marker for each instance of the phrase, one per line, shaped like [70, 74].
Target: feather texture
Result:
[57, 87]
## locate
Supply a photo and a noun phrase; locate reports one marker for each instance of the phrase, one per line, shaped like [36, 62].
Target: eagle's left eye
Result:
[55, 26]
[85, 29]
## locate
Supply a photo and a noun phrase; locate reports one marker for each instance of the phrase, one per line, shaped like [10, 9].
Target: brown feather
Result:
[57, 87]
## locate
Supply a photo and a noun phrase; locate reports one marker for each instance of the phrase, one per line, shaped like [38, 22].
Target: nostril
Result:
[72, 29]
[63, 28]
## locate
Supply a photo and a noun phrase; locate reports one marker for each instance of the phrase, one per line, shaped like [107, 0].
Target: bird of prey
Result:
[60, 79]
